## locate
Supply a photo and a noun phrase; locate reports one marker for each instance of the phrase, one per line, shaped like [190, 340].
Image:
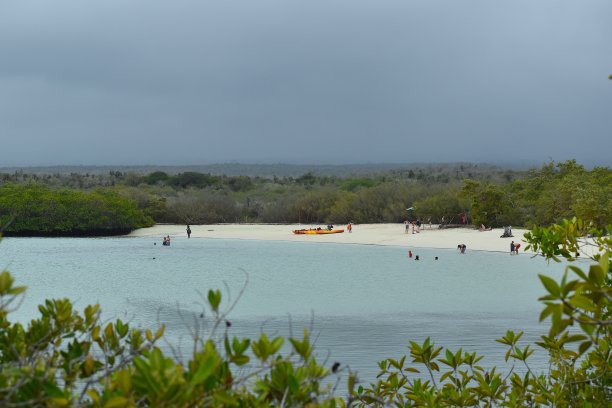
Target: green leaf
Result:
[394, 363]
[205, 370]
[277, 343]
[117, 402]
[240, 360]
[574, 338]
[546, 312]
[587, 328]
[240, 346]
[450, 357]
[446, 375]
[52, 390]
[160, 332]
[222, 398]
[578, 271]
[582, 302]
[144, 370]
[208, 365]
[551, 286]
[351, 383]
[6, 282]
[59, 402]
[293, 384]
[214, 299]
[584, 347]
[16, 290]
[597, 275]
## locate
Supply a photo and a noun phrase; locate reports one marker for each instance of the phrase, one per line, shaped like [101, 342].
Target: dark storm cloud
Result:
[132, 82]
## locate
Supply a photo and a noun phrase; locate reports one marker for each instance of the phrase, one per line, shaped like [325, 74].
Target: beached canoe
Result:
[318, 231]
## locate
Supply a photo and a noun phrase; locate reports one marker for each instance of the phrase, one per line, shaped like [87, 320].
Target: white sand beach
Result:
[365, 234]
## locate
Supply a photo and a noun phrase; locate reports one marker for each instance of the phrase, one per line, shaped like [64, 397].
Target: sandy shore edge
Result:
[364, 234]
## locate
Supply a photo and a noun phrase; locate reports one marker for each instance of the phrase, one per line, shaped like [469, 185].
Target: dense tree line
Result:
[487, 195]
[544, 196]
[260, 170]
[500, 197]
[34, 209]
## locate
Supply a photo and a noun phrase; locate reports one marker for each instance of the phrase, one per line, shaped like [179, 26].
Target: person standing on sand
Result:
[516, 248]
[512, 248]
[188, 231]
[407, 227]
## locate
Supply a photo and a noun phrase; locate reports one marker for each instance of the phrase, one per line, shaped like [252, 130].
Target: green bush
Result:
[34, 209]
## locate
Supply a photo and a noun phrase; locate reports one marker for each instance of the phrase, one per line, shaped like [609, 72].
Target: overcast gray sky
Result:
[304, 81]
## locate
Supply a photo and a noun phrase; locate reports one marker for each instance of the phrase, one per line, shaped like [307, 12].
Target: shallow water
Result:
[364, 303]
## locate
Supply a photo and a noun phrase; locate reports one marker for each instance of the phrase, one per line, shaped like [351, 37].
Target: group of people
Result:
[166, 241]
[416, 226]
[514, 250]
[416, 258]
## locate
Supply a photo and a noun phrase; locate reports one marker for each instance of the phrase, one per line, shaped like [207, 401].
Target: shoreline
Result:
[364, 234]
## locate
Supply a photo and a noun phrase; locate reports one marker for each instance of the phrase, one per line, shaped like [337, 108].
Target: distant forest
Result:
[487, 194]
[253, 170]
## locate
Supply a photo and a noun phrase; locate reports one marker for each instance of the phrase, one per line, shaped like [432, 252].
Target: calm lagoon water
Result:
[364, 303]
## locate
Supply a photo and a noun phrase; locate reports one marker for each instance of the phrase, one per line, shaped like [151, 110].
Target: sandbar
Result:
[363, 234]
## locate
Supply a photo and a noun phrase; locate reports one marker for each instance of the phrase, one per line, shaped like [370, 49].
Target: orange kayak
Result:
[318, 231]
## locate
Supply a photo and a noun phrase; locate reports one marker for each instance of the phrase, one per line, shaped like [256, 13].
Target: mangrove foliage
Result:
[35, 209]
